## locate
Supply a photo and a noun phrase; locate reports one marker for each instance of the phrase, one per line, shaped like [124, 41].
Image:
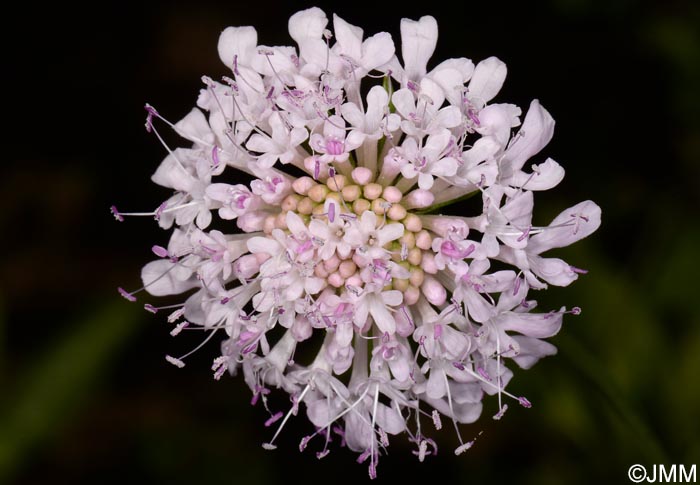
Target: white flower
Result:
[339, 247]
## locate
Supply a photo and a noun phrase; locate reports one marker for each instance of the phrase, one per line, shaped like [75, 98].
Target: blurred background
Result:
[85, 395]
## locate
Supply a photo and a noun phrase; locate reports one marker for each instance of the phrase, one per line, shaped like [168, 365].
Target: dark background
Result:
[85, 395]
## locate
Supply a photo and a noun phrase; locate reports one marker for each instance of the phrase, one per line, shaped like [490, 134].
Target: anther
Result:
[176, 362]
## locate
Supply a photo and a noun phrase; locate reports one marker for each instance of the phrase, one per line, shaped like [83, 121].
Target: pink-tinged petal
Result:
[518, 211]
[531, 350]
[307, 24]
[195, 128]
[349, 38]
[316, 52]
[352, 114]
[297, 136]
[390, 232]
[455, 343]
[436, 384]
[451, 81]
[260, 144]
[314, 285]
[322, 411]
[295, 224]
[302, 329]
[498, 281]
[553, 270]
[571, 225]
[445, 168]
[536, 132]
[496, 120]
[543, 177]
[484, 148]
[401, 367]
[358, 434]
[354, 236]
[463, 413]
[263, 245]
[237, 42]
[466, 392]
[425, 181]
[479, 309]
[354, 139]
[418, 41]
[448, 117]
[464, 66]
[404, 102]
[381, 315]
[392, 297]
[436, 143]
[319, 229]
[377, 105]
[280, 135]
[203, 218]
[170, 173]
[360, 313]
[368, 221]
[377, 51]
[343, 334]
[389, 419]
[160, 279]
[537, 325]
[432, 90]
[487, 79]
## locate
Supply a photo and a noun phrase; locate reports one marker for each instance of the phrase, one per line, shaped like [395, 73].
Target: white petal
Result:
[349, 38]
[195, 128]
[377, 51]
[170, 173]
[260, 144]
[382, 317]
[237, 41]
[553, 270]
[445, 167]
[404, 102]
[487, 80]
[537, 130]
[418, 41]
[538, 325]
[377, 105]
[547, 175]
[295, 224]
[436, 384]
[571, 225]
[392, 297]
[159, 279]
[425, 181]
[390, 232]
[352, 114]
[306, 24]
[263, 245]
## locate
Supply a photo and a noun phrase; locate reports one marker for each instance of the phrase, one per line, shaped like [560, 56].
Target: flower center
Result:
[396, 264]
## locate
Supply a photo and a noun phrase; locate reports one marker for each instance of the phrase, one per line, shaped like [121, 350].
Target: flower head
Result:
[412, 315]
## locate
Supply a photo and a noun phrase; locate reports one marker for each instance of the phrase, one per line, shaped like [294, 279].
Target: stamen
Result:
[436, 420]
[160, 251]
[116, 214]
[179, 327]
[500, 412]
[126, 294]
[176, 362]
[273, 419]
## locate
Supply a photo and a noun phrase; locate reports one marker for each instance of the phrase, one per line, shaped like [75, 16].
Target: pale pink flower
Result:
[338, 243]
